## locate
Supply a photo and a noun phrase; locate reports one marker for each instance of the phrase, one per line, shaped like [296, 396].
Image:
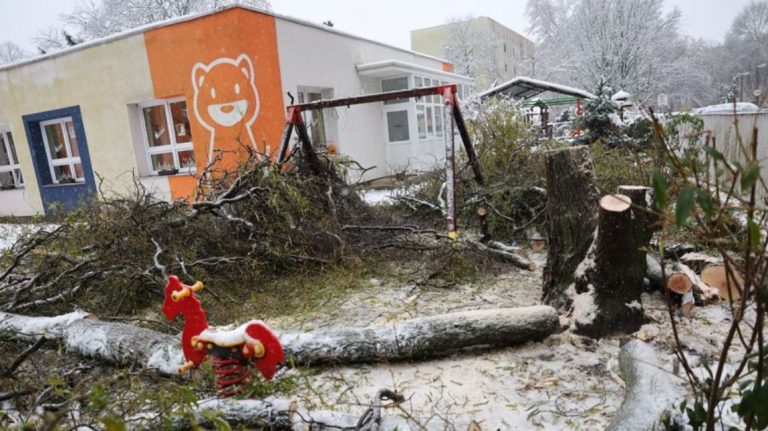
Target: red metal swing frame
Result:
[452, 115]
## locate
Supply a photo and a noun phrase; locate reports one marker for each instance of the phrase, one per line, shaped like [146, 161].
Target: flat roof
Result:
[143, 29]
[522, 87]
[382, 67]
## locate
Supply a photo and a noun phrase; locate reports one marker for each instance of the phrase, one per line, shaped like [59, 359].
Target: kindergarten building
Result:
[160, 102]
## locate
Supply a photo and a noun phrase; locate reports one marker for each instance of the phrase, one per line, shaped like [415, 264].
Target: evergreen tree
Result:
[601, 120]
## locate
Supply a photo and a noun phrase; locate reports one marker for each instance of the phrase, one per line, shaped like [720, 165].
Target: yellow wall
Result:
[429, 40]
[100, 79]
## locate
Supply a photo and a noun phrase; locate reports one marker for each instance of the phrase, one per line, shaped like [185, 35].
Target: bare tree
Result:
[10, 52]
[98, 18]
[744, 57]
[54, 38]
[632, 45]
[473, 50]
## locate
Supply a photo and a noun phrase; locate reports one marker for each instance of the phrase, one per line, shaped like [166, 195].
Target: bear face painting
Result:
[226, 101]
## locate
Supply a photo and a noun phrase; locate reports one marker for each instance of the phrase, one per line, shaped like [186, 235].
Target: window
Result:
[429, 110]
[397, 126]
[168, 137]
[421, 122]
[10, 173]
[62, 151]
[315, 119]
[394, 84]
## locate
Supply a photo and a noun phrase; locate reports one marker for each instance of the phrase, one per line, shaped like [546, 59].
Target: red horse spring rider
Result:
[233, 348]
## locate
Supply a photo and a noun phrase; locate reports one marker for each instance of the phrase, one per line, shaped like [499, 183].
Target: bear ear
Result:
[198, 75]
[245, 65]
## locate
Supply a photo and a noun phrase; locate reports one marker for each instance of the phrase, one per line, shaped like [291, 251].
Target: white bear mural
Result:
[226, 101]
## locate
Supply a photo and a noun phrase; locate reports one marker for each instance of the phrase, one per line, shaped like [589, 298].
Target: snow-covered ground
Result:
[9, 233]
[563, 382]
[387, 195]
[381, 196]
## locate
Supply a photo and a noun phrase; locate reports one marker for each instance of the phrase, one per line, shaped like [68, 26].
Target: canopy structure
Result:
[523, 87]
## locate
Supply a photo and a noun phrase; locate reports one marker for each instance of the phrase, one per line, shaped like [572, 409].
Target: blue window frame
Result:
[61, 159]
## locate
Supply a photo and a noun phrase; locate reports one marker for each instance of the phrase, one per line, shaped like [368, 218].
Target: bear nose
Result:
[227, 108]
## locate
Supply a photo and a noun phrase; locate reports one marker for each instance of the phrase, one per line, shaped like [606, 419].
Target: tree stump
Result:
[571, 220]
[609, 282]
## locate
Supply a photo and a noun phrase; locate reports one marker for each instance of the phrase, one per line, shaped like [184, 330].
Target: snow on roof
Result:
[385, 65]
[728, 108]
[621, 95]
[522, 87]
[194, 16]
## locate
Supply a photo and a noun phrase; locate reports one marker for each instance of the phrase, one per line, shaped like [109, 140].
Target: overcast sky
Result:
[384, 20]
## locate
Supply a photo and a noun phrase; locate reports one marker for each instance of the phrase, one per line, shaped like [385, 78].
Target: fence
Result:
[732, 135]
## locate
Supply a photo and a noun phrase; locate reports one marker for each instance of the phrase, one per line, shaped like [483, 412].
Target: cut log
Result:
[571, 210]
[698, 261]
[538, 244]
[506, 252]
[609, 282]
[702, 292]
[679, 283]
[653, 272]
[417, 338]
[728, 287]
[687, 302]
[649, 390]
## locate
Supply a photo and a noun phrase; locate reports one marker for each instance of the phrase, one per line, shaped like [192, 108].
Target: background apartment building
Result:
[478, 47]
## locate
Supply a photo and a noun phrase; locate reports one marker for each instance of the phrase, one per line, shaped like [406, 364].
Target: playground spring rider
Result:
[234, 348]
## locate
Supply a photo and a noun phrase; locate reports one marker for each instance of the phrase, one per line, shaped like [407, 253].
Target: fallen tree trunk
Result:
[649, 389]
[424, 337]
[417, 338]
[113, 342]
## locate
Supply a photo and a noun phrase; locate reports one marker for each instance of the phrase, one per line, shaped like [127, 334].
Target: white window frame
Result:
[13, 165]
[66, 161]
[174, 148]
[431, 107]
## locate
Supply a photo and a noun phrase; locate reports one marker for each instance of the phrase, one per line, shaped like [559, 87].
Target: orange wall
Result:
[215, 62]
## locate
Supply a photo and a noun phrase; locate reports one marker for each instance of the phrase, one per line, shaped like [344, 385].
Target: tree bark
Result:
[571, 220]
[609, 282]
[649, 389]
[108, 341]
[425, 337]
[417, 338]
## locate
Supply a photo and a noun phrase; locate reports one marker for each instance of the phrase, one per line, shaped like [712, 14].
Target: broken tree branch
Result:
[8, 372]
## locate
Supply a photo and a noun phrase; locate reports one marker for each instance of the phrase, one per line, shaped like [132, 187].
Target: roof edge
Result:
[410, 66]
[191, 17]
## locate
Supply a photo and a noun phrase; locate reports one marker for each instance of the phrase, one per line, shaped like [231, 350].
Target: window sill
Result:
[177, 174]
[77, 183]
[8, 189]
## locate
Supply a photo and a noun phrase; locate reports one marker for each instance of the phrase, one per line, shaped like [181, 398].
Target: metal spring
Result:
[231, 374]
